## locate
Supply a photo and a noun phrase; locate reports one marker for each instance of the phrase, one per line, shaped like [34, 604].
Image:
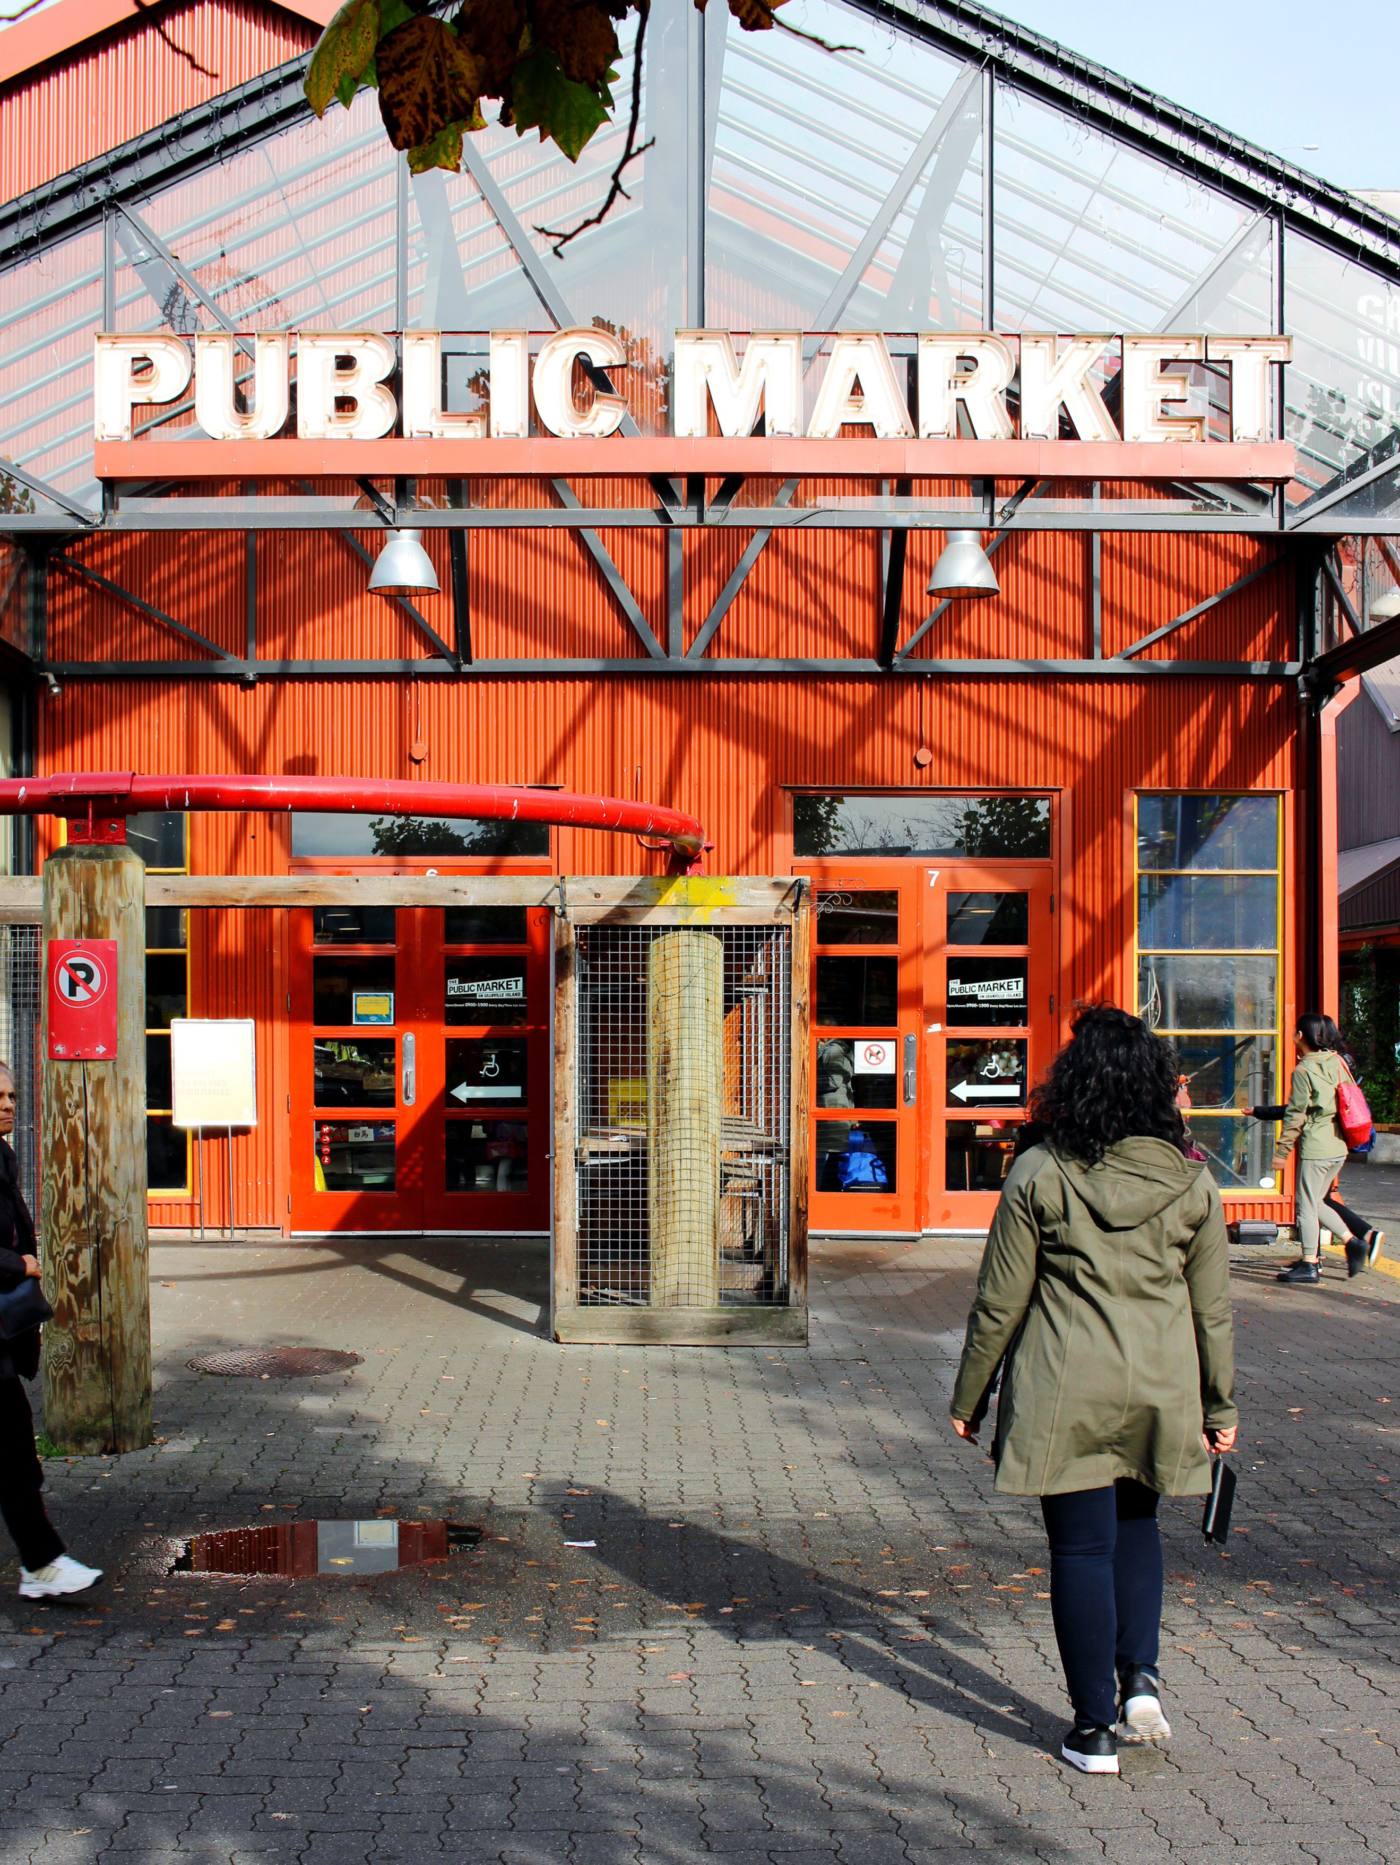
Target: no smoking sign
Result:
[82, 1006]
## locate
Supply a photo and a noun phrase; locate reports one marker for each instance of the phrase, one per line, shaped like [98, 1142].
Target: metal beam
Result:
[1003, 531]
[1384, 459]
[1199, 608]
[736, 579]
[142, 607]
[420, 621]
[44, 491]
[824, 669]
[1329, 571]
[232, 514]
[1352, 657]
[613, 577]
[895, 548]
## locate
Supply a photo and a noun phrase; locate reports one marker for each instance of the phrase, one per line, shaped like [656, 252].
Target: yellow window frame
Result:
[1274, 952]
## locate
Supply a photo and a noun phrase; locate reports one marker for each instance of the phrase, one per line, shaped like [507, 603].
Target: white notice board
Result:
[213, 1072]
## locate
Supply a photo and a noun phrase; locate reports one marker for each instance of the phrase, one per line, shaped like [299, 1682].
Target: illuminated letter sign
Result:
[974, 386]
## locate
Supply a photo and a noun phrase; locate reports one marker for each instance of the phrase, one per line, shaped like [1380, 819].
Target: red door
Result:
[420, 1069]
[990, 1026]
[867, 1007]
[933, 1014]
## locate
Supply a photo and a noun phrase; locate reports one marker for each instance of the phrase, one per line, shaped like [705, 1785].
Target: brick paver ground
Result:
[808, 1631]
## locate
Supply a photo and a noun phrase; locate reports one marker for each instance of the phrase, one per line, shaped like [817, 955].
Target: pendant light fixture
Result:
[403, 567]
[964, 568]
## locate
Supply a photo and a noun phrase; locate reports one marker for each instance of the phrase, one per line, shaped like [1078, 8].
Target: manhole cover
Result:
[274, 1362]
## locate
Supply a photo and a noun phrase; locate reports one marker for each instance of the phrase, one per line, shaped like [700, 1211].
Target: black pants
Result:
[22, 1479]
[1105, 1590]
[1354, 1222]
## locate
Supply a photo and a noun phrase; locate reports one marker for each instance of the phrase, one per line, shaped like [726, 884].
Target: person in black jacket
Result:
[47, 1571]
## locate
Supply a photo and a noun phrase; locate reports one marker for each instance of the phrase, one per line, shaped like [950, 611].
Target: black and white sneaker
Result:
[1140, 1717]
[1356, 1256]
[1374, 1241]
[1301, 1271]
[1092, 1748]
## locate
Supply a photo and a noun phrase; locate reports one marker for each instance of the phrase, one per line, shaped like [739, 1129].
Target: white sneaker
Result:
[61, 1578]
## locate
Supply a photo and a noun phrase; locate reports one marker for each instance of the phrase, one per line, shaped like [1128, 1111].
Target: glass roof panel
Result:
[296, 230]
[50, 309]
[812, 148]
[1092, 235]
[1343, 385]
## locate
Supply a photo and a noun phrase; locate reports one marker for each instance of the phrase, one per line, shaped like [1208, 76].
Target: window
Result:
[1208, 953]
[161, 838]
[924, 826]
[351, 838]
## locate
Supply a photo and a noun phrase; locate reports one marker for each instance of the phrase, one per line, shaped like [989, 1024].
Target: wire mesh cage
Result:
[680, 1067]
[21, 1016]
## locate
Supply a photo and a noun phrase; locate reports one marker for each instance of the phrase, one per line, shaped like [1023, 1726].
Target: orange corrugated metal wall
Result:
[721, 747]
[134, 77]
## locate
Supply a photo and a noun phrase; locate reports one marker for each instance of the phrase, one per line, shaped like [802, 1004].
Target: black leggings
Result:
[1105, 1590]
[22, 1479]
[1354, 1222]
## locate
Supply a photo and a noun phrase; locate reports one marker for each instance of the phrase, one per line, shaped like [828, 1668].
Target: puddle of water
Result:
[378, 1546]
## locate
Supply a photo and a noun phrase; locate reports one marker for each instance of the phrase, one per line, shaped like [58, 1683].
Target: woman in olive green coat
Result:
[1104, 1289]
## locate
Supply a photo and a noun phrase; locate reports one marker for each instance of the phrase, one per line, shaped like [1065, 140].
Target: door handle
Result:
[410, 1068]
[911, 1070]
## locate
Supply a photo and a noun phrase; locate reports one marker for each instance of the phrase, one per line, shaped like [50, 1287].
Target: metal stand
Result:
[228, 1141]
[199, 1162]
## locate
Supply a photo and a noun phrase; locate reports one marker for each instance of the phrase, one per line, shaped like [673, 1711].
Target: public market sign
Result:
[719, 388]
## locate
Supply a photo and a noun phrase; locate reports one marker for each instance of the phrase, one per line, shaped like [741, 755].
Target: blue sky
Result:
[1284, 74]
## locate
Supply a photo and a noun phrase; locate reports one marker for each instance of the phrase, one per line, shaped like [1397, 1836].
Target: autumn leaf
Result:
[343, 51]
[443, 150]
[581, 37]
[492, 30]
[754, 15]
[427, 81]
[544, 99]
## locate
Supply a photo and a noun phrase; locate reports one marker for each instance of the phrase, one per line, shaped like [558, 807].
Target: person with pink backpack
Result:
[1326, 1117]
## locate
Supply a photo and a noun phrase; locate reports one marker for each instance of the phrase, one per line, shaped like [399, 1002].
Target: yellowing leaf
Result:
[342, 53]
[428, 81]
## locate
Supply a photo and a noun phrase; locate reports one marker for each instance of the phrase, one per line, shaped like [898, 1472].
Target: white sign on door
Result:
[874, 1058]
[213, 1072]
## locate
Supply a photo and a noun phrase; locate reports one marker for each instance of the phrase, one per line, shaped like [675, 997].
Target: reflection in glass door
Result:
[865, 1015]
[932, 1016]
[420, 1069]
[990, 1026]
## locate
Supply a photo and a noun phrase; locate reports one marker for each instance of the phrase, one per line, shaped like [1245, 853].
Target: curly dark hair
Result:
[1113, 1080]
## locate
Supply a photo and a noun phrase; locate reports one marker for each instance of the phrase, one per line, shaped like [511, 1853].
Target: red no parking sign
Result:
[82, 1000]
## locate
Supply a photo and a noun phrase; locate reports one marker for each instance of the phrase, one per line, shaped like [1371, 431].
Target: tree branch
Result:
[559, 237]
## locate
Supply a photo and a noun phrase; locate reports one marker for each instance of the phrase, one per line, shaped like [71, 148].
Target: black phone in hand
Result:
[1215, 1523]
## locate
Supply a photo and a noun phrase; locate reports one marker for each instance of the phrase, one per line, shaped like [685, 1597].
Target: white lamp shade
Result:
[964, 568]
[403, 567]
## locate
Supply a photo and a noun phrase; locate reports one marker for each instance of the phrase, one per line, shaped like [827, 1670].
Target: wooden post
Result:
[97, 1348]
[563, 1232]
[685, 1104]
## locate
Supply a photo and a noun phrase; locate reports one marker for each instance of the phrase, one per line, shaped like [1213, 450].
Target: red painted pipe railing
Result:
[87, 795]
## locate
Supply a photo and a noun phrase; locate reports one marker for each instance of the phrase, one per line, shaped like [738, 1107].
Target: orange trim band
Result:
[546, 457]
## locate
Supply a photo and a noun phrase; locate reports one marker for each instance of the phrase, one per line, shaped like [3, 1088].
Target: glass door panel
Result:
[353, 1077]
[865, 1135]
[486, 1062]
[989, 1026]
